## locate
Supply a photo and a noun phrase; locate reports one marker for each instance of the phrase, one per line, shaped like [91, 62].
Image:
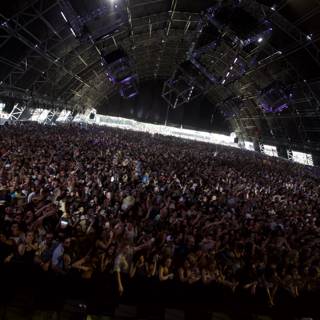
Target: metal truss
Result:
[234, 69]
[78, 23]
[26, 97]
[296, 114]
[47, 75]
[261, 147]
[186, 84]
[39, 9]
[290, 154]
[51, 117]
[16, 112]
[75, 87]
[287, 27]
[302, 42]
[177, 94]
[69, 118]
[40, 49]
[165, 36]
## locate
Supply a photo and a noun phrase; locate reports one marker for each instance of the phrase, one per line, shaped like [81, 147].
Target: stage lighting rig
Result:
[186, 84]
[227, 42]
[129, 87]
[232, 33]
[117, 65]
[231, 106]
[119, 70]
[237, 25]
[274, 98]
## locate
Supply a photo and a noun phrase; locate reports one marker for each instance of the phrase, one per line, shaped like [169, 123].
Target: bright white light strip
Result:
[64, 17]
[270, 150]
[260, 40]
[43, 116]
[72, 31]
[63, 116]
[303, 158]
[36, 113]
[248, 145]
[129, 124]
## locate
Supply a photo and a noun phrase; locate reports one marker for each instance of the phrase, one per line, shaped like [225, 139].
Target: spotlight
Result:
[260, 39]
[273, 8]
[64, 17]
[72, 31]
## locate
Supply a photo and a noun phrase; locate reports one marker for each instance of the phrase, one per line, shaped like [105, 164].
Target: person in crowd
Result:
[100, 202]
[165, 272]
[60, 259]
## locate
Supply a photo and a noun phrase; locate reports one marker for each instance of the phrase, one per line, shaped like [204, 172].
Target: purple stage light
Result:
[132, 95]
[128, 80]
[128, 88]
[268, 109]
[282, 107]
[274, 100]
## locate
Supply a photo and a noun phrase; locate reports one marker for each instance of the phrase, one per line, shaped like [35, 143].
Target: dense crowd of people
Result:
[98, 201]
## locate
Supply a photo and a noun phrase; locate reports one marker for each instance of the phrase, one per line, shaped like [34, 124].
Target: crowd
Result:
[98, 201]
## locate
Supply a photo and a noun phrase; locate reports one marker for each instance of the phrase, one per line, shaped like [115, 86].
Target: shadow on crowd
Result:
[28, 290]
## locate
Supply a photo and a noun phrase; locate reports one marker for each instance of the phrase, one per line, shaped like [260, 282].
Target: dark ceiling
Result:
[39, 55]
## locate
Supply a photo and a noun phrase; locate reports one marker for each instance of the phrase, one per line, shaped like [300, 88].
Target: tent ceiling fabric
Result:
[40, 54]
